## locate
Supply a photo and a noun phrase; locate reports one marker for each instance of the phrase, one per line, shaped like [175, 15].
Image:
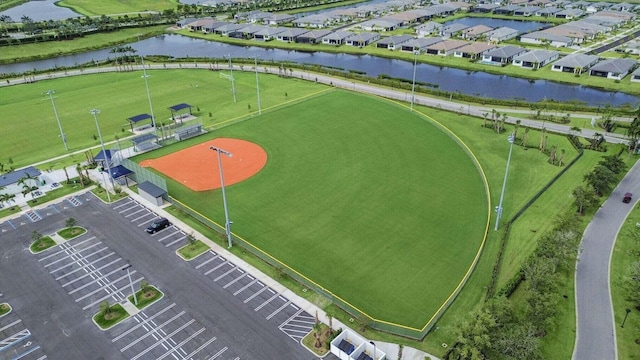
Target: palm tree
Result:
[80, 176]
[574, 130]
[484, 119]
[525, 138]
[515, 129]
[504, 120]
[561, 158]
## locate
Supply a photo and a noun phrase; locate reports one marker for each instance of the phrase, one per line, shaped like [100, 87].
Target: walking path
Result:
[595, 327]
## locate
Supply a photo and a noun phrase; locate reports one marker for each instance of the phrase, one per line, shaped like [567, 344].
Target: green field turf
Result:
[30, 131]
[362, 197]
[112, 7]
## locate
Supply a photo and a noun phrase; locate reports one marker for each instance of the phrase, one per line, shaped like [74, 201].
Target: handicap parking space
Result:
[34, 215]
[16, 341]
[165, 331]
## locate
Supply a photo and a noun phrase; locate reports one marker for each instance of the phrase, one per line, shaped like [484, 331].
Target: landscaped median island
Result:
[109, 315]
[193, 249]
[147, 295]
[5, 308]
[40, 243]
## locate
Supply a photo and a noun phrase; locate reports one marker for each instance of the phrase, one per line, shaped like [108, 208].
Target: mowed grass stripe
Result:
[361, 196]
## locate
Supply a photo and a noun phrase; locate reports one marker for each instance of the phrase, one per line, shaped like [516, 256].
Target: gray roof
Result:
[382, 22]
[339, 35]
[229, 27]
[151, 189]
[15, 176]
[421, 43]
[455, 27]
[502, 31]
[364, 36]
[395, 39]
[547, 11]
[270, 31]
[537, 55]
[577, 60]
[251, 29]
[292, 32]
[570, 12]
[543, 35]
[616, 66]
[315, 34]
[506, 51]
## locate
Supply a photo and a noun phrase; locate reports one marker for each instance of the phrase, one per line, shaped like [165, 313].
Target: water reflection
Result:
[41, 10]
[447, 79]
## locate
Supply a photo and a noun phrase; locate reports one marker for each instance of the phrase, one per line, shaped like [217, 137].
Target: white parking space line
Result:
[135, 212]
[20, 356]
[10, 325]
[153, 331]
[266, 302]
[236, 279]
[98, 269]
[142, 217]
[189, 356]
[81, 266]
[217, 267]
[255, 294]
[234, 268]
[181, 344]
[278, 310]
[42, 357]
[168, 336]
[65, 249]
[245, 287]
[126, 203]
[76, 253]
[175, 241]
[207, 261]
[170, 234]
[114, 293]
[96, 280]
[290, 318]
[216, 355]
[144, 321]
[90, 272]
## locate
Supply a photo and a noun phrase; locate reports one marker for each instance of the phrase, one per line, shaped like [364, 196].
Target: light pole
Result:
[146, 84]
[227, 223]
[504, 183]
[258, 85]
[55, 111]
[625, 317]
[133, 291]
[413, 82]
[95, 113]
[374, 349]
[233, 84]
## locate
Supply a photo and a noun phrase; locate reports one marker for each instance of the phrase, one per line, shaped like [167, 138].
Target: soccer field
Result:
[360, 196]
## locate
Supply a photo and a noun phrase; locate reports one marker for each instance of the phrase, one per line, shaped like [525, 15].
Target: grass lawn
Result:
[116, 314]
[42, 244]
[191, 251]
[49, 49]
[72, 232]
[122, 95]
[625, 253]
[369, 190]
[146, 297]
[5, 308]
[91, 8]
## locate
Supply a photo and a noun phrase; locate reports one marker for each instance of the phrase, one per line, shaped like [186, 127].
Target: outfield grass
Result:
[31, 132]
[112, 7]
[365, 200]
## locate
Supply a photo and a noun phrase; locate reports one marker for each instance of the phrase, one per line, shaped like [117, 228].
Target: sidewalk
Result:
[390, 349]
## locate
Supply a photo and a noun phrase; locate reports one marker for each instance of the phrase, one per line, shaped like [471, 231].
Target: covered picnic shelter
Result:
[177, 111]
[145, 142]
[136, 122]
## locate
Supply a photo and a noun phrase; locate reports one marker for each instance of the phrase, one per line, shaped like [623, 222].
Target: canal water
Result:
[447, 79]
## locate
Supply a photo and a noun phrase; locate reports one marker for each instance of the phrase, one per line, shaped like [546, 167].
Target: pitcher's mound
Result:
[196, 167]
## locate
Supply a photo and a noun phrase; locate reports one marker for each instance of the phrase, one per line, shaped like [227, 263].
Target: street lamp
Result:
[413, 82]
[374, 349]
[625, 317]
[258, 85]
[146, 84]
[135, 298]
[511, 139]
[227, 223]
[55, 111]
[95, 113]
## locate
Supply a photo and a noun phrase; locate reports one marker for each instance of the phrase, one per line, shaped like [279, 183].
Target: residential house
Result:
[380, 24]
[486, 8]
[405, 18]
[535, 59]
[269, 33]
[258, 17]
[291, 34]
[452, 30]
[526, 11]
[543, 37]
[635, 76]
[501, 34]
[199, 24]
[547, 12]
[230, 28]
[362, 39]
[506, 10]
[429, 28]
[575, 63]
[476, 32]
[184, 22]
[569, 14]
[419, 44]
[445, 47]
[318, 21]
[247, 32]
[502, 55]
[337, 37]
[613, 68]
[473, 50]
[211, 28]
[312, 37]
[393, 42]
[278, 19]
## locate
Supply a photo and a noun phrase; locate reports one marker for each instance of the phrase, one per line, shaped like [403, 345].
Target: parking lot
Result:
[211, 309]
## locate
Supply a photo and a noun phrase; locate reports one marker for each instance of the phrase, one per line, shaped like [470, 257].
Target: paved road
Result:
[596, 334]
